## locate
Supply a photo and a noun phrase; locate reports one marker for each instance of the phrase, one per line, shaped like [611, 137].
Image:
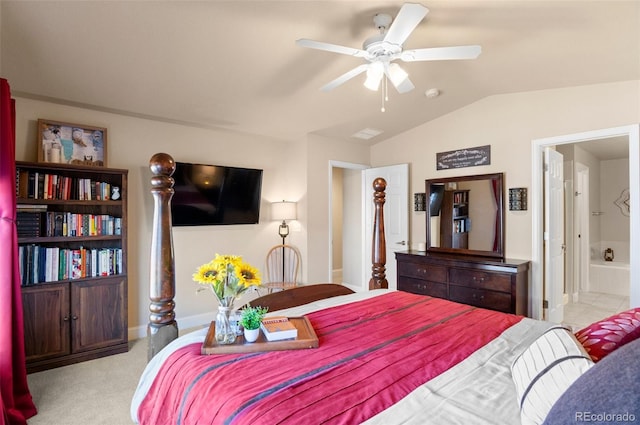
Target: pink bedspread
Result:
[372, 353]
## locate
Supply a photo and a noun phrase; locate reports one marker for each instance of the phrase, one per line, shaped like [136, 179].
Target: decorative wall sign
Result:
[518, 199]
[462, 158]
[419, 202]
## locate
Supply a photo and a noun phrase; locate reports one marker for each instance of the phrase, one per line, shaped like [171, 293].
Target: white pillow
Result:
[545, 370]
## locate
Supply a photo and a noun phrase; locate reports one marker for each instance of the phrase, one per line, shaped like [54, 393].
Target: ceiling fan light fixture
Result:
[374, 76]
[397, 75]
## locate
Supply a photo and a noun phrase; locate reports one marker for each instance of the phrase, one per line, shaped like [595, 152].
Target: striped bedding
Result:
[373, 354]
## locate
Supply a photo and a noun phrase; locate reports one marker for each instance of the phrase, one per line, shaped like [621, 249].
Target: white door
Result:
[553, 234]
[396, 217]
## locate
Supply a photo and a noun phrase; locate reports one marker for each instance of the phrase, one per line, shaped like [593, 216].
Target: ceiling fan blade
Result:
[441, 53]
[405, 86]
[345, 77]
[319, 45]
[405, 22]
[398, 77]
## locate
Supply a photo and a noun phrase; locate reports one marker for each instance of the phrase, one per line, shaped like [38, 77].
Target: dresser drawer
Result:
[422, 287]
[481, 298]
[480, 279]
[423, 271]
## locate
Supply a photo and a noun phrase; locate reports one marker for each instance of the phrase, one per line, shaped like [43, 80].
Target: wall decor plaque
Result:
[462, 158]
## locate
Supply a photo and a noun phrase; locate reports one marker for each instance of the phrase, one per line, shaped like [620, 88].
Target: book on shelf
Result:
[31, 184]
[38, 264]
[278, 328]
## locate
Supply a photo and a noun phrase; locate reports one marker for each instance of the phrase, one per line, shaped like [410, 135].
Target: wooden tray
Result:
[307, 338]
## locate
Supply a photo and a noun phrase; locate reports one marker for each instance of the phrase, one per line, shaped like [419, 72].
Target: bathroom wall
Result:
[614, 221]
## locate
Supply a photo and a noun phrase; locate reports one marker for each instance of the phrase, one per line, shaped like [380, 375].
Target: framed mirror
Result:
[465, 215]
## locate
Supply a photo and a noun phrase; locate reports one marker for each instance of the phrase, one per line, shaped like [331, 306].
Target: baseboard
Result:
[196, 321]
[575, 297]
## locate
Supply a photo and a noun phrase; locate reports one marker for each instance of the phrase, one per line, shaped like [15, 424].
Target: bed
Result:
[384, 357]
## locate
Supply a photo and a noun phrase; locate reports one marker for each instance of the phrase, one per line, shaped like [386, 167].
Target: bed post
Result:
[378, 244]
[162, 328]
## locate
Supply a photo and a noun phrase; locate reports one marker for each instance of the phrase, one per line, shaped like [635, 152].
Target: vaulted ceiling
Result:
[235, 64]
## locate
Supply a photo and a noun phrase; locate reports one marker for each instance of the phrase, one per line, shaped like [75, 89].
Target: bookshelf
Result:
[72, 243]
[455, 223]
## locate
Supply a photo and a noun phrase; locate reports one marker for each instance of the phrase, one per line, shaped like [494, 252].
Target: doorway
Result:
[596, 171]
[346, 241]
[350, 221]
[537, 285]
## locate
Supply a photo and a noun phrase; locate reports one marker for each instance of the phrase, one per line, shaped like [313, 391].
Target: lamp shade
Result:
[374, 76]
[283, 210]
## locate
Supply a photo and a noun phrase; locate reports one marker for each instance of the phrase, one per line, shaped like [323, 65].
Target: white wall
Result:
[508, 123]
[614, 225]
[353, 227]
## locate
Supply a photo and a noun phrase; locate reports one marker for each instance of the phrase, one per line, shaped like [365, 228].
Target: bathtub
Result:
[609, 277]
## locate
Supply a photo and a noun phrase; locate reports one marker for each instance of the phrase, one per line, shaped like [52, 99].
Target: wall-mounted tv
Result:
[215, 195]
[435, 199]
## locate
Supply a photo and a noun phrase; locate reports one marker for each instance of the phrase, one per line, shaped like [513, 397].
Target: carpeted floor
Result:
[89, 393]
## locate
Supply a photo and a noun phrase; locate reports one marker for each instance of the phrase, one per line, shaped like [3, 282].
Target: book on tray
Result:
[278, 328]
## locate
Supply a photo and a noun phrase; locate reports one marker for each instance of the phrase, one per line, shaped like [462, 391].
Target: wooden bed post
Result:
[378, 244]
[162, 328]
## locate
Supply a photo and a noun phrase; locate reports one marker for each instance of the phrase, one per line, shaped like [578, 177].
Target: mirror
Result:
[465, 215]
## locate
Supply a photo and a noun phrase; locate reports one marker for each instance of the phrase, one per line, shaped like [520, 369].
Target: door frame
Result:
[581, 257]
[537, 257]
[350, 166]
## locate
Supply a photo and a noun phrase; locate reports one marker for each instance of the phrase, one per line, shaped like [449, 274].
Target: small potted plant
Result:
[250, 321]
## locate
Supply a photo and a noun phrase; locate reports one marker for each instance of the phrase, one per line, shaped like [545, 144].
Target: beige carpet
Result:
[93, 392]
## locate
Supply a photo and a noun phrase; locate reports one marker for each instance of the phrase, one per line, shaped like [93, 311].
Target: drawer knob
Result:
[476, 297]
[65, 318]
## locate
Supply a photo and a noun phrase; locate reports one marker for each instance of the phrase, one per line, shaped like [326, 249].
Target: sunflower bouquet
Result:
[228, 277]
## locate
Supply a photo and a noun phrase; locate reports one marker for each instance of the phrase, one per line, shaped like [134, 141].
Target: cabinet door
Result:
[46, 321]
[99, 313]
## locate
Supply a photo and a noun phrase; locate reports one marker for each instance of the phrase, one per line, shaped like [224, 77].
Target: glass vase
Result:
[225, 334]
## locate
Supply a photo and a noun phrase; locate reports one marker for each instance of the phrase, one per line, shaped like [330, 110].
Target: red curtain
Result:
[16, 401]
[496, 197]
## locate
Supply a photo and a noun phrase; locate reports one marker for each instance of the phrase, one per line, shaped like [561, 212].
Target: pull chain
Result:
[383, 92]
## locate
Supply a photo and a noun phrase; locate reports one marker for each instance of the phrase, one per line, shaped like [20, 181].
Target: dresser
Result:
[485, 282]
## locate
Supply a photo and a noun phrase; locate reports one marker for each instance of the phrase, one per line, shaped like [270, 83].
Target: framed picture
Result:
[518, 199]
[75, 144]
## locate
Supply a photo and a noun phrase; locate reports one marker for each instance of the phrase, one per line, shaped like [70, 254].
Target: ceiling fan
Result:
[381, 50]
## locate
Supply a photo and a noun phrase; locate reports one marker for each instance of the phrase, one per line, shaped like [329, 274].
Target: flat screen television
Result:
[435, 199]
[215, 195]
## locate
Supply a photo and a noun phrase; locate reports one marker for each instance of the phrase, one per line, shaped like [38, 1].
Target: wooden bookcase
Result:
[454, 216]
[73, 262]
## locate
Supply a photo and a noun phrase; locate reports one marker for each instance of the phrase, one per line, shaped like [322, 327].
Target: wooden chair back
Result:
[282, 265]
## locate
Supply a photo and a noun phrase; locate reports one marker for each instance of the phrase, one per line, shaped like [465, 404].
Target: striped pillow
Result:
[545, 370]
